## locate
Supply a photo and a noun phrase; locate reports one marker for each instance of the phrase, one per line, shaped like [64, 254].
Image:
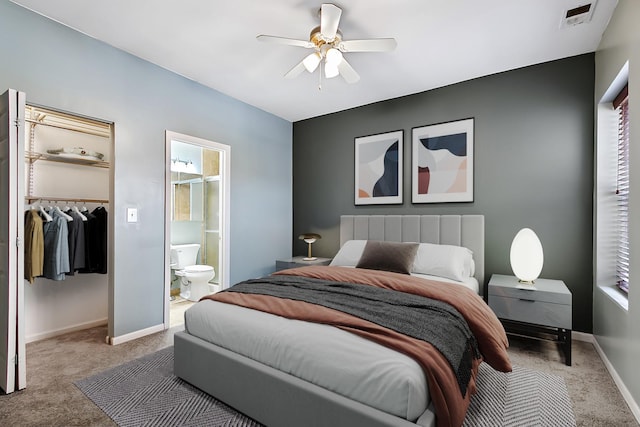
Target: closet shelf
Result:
[32, 157]
[32, 198]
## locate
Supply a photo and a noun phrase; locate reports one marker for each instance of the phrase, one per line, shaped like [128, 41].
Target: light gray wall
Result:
[533, 166]
[63, 69]
[615, 328]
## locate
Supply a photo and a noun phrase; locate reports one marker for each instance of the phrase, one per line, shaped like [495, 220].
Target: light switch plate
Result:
[132, 215]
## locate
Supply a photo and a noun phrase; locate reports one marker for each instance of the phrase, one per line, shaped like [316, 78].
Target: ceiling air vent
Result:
[578, 15]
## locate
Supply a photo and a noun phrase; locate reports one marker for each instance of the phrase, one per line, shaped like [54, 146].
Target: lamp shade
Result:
[309, 237]
[526, 256]
[333, 56]
[311, 62]
[330, 70]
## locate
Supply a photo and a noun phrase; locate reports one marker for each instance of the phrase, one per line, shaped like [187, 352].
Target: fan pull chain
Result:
[320, 78]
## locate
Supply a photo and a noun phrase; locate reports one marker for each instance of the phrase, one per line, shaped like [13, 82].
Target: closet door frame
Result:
[225, 211]
[13, 371]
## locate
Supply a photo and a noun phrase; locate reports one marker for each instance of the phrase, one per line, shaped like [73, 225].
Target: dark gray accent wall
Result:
[533, 164]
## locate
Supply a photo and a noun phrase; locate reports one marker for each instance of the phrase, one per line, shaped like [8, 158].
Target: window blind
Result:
[621, 104]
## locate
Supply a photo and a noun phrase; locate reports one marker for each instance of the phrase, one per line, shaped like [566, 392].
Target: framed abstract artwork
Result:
[442, 162]
[378, 169]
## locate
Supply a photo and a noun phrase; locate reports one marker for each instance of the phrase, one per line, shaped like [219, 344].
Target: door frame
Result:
[13, 367]
[225, 214]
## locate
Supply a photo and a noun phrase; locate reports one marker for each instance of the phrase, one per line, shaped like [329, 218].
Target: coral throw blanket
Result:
[450, 404]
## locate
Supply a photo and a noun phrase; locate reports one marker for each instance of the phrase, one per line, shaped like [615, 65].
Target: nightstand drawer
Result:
[544, 290]
[530, 311]
[283, 265]
[299, 261]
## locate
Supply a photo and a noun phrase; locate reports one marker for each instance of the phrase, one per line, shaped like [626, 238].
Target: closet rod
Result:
[100, 134]
[64, 199]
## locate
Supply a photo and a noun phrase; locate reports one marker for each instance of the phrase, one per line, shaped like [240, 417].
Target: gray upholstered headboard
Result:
[458, 230]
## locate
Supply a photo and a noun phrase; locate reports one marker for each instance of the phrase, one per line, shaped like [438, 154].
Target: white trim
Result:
[135, 335]
[617, 85]
[54, 333]
[635, 409]
[616, 296]
[167, 228]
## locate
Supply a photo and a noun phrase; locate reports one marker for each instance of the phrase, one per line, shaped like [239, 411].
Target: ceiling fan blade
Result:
[347, 72]
[295, 71]
[368, 45]
[329, 20]
[286, 41]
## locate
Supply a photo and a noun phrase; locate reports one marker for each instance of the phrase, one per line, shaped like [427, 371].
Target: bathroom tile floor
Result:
[177, 308]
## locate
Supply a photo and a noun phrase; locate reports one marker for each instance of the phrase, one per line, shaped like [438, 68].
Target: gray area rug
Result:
[523, 397]
[144, 392]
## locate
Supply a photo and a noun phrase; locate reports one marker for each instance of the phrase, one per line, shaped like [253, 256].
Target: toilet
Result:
[194, 278]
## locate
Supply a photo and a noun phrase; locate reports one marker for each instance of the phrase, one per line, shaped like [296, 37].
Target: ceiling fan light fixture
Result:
[333, 57]
[311, 62]
[328, 45]
[331, 70]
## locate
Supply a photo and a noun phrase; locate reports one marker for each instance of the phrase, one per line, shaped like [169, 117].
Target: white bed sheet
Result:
[469, 282]
[324, 355]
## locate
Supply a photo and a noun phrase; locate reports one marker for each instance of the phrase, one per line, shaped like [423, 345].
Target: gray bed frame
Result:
[277, 399]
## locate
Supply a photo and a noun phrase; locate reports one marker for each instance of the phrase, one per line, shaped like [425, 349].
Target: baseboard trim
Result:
[135, 335]
[54, 333]
[582, 336]
[626, 395]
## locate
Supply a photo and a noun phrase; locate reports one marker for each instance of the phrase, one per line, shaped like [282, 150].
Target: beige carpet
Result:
[53, 365]
[596, 400]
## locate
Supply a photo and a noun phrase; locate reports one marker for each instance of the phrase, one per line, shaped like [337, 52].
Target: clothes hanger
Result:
[44, 213]
[76, 210]
[64, 215]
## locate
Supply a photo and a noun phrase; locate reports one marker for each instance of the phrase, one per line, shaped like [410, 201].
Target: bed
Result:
[258, 362]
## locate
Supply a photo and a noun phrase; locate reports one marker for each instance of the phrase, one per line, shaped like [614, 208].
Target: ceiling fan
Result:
[328, 47]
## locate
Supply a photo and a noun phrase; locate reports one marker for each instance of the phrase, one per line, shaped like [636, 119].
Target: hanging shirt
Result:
[96, 241]
[56, 247]
[76, 243]
[33, 245]
[90, 237]
[100, 246]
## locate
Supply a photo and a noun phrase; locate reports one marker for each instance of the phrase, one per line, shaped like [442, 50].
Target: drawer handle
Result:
[527, 300]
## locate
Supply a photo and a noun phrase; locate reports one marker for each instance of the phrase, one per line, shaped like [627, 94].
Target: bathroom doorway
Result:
[196, 222]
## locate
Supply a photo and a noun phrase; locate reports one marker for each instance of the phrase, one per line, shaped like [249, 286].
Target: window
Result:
[621, 104]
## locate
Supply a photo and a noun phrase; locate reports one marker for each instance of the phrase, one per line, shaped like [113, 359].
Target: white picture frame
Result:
[442, 162]
[379, 168]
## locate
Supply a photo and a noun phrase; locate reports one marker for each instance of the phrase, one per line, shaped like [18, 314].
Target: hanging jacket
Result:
[33, 245]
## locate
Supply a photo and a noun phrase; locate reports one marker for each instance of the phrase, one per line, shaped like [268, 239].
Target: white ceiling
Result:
[440, 42]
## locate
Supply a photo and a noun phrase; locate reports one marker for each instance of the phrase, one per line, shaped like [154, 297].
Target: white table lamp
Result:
[527, 256]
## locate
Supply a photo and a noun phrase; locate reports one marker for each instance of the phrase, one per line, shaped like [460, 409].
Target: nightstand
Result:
[298, 261]
[540, 311]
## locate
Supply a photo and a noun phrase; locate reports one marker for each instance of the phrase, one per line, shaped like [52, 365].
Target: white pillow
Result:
[453, 262]
[349, 254]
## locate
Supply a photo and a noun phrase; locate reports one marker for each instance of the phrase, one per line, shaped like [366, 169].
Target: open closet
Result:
[56, 183]
[67, 175]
